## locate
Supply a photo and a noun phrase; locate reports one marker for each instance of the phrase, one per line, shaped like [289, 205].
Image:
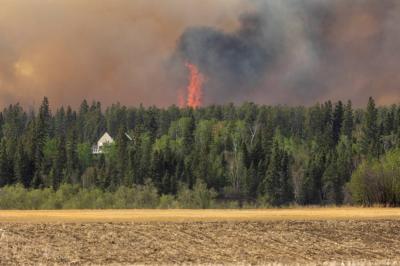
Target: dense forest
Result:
[329, 153]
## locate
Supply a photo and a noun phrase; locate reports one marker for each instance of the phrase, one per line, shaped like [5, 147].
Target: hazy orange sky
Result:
[107, 50]
[120, 50]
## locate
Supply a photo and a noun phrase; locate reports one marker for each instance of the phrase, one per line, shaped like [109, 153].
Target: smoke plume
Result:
[267, 51]
[299, 52]
[105, 50]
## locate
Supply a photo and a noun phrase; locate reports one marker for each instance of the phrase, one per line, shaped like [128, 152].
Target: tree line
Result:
[328, 153]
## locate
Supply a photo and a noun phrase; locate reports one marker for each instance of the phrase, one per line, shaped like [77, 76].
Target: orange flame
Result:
[195, 87]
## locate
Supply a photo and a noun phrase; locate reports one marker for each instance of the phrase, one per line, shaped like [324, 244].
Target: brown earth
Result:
[222, 241]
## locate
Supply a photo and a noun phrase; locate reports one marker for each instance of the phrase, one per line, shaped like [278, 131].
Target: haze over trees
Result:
[329, 153]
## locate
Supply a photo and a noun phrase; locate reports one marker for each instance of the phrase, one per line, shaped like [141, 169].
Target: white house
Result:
[104, 140]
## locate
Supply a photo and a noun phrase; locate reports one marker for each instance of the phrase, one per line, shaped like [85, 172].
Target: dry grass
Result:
[288, 236]
[199, 215]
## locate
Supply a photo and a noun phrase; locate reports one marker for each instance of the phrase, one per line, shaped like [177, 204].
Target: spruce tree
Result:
[348, 117]
[6, 172]
[122, 153]
[337, 122]
[58, 168]
[311, 185]
[21, 166]
[72, 160]
[370, 139]
[277, 181]
[388, 122]
[332, 182]
[42, 128]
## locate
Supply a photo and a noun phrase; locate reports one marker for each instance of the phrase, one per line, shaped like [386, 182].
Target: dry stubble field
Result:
[196, 236]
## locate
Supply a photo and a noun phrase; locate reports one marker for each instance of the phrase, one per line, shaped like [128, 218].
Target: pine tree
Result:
[21, 166]
[388, 122]
[277, 181]
[157, 170]
[122, 153]
[347, 128]
[326, 141]
[287, 194]
[337, 122]
[370, 140]
[82, 117]
[311, 186]
[6, 172]
[58, 168]
[332, 182]
[344, 152]
[72, 163]
[42, 128]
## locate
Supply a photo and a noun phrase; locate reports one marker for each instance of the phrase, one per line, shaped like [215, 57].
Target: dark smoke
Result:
[267, 51]
[300, 52]
[233, 62]
[109, 51]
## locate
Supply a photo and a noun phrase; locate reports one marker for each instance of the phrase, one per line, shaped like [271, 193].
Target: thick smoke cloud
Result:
[299, 52]
[234, 62]
[105, 50]
[267, 51]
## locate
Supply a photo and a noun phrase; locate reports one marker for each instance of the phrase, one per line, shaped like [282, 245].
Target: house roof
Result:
[106, 138]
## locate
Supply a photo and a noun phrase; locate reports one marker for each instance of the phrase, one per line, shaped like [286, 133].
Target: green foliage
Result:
[311, 185]
[168, 202]
[6, 174]
[198, 198]
[377, 181]
[278, 186]
[348, 123]
[370, 139]
[222, 155]
[74, 197]
[84, 154]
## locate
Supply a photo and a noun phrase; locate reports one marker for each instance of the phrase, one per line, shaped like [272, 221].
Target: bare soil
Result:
[218, 241]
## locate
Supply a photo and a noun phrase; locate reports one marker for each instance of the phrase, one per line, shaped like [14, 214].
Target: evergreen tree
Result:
[337, 122]
[370, 140]
[344, 152]
[21, 166]
[332, 182]
[311, 186]
[388, 122]
[6, 172]
[58, 168]
[240, 152]
[82, 116]
[72, 160]
[41, 134]
[347, 128]
[277, 181]
[122, 153]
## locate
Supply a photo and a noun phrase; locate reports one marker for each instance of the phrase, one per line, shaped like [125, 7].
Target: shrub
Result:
[377, 181]
[75, 197]
[147, 196]
[167, 202]
[199, 197]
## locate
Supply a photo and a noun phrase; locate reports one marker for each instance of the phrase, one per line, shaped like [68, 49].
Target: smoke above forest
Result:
[266, 51]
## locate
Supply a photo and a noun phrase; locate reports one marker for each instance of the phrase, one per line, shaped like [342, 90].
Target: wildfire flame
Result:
[194, 89]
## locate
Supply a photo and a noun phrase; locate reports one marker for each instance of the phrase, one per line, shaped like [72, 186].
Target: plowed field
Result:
[316, 236]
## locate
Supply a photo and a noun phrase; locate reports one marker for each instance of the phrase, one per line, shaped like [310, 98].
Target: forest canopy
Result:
[328, 153]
